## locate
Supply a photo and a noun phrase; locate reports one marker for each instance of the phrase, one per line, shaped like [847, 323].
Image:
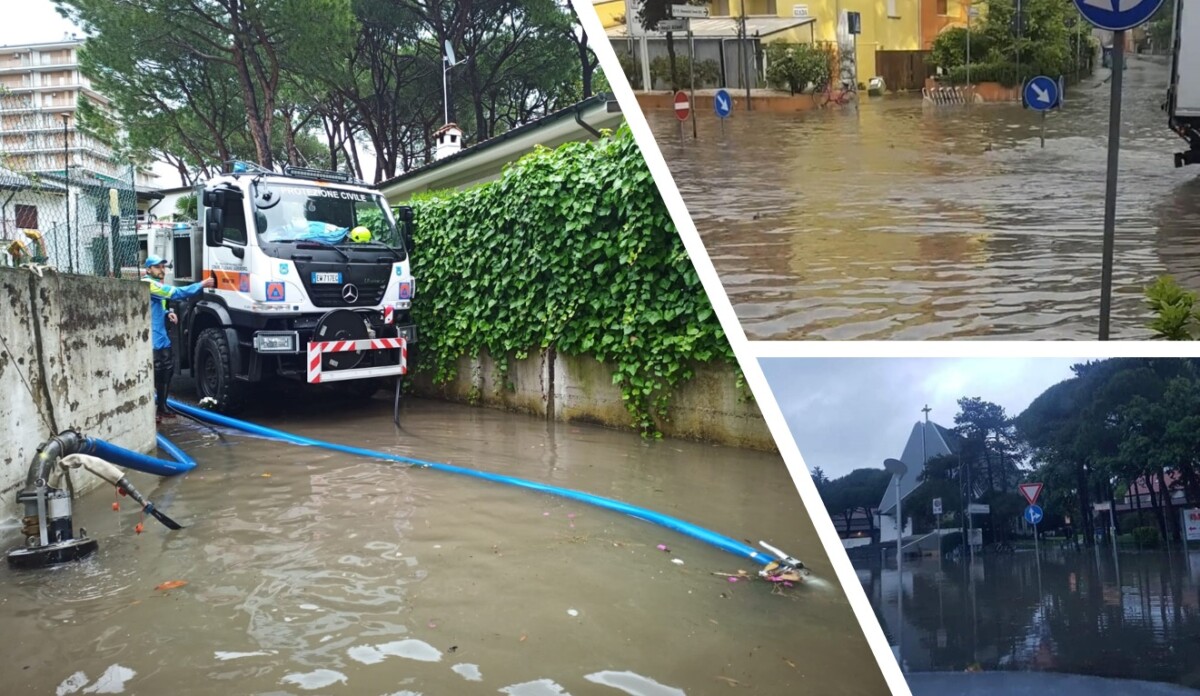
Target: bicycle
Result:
[827, 95]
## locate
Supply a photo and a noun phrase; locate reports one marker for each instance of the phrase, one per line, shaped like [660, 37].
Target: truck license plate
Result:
[326, 277]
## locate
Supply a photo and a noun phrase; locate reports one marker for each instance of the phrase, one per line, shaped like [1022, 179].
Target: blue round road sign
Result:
[1041, 93]
[722, 104]
[1033, 514]
[1117, 15]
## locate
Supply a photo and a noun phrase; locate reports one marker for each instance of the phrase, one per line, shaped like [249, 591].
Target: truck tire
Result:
[214, 372]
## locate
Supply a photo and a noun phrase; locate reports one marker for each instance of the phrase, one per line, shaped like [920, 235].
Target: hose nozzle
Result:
[784, 561]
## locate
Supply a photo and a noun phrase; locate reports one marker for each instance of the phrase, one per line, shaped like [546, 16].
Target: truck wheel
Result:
[214, 372]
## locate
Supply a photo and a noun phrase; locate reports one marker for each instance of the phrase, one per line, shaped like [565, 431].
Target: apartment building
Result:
[40, 87]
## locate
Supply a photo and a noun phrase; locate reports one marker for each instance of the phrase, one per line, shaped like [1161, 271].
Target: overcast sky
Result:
[851, 413]
[32, 21]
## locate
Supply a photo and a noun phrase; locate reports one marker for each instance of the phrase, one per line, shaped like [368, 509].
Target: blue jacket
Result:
[160, 295]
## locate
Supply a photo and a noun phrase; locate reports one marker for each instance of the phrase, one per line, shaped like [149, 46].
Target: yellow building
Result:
[887, 25]
[611, 12]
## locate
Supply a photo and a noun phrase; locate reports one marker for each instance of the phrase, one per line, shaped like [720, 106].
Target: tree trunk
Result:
[1166, 498]
[1085, 508]
[1156, 503]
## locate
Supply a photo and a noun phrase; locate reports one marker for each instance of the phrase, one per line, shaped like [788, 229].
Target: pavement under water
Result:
[1078, 622]
[903, 220]
[309, 571]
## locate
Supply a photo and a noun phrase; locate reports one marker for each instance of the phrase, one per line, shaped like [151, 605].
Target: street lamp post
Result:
[898, 469]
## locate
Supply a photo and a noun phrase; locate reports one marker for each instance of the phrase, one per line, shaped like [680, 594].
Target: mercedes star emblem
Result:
[349, 293]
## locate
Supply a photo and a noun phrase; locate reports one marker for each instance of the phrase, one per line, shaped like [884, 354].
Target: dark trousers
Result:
[164, 369]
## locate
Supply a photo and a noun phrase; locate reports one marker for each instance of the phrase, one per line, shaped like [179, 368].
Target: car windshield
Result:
[323, 214]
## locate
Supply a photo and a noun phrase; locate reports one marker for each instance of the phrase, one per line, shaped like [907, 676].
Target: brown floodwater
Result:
[901, 220]
[309, 571]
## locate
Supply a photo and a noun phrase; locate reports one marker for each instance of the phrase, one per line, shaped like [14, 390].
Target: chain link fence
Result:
[81, 218]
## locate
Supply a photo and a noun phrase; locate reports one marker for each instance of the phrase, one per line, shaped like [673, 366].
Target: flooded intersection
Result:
[907, 221]
[311, 571]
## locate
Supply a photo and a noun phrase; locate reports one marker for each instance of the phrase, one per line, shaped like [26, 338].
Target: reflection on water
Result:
[907, 221]
[312, 571]
[1136, 616]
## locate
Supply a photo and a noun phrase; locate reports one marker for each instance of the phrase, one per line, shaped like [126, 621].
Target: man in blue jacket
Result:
[160, 314]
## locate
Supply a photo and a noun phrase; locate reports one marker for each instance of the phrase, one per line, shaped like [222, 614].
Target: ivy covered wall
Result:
[571, 250]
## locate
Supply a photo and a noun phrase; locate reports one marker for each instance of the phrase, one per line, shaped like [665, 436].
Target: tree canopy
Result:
[195, 83]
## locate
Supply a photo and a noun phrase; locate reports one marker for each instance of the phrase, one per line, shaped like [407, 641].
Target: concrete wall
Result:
[75, 355]
[709, 407]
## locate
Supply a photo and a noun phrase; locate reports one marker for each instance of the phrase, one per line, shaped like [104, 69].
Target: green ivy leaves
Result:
[571, 249]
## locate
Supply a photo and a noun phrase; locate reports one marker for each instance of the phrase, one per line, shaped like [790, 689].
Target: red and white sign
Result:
[683, 108]
[1031, 491]
[316, 350]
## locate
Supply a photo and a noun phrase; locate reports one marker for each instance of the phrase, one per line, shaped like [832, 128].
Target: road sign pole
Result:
[1110, 189]
[692, 74]
[1043, 130]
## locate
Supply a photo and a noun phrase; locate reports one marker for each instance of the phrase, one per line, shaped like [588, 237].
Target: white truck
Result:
[302, 292]
[1183, 93]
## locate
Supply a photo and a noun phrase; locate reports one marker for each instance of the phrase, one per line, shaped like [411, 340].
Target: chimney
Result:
[447, 141]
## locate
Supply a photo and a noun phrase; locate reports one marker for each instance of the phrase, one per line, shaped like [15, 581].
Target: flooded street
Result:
[309, 571]
[910, 221]
[1136, 616]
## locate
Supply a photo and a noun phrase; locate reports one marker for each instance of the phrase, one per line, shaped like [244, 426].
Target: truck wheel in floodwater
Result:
[214, 372]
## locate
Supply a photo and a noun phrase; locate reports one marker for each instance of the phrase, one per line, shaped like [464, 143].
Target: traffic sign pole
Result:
[692, 74]
[1117, 17]
[1110, 187]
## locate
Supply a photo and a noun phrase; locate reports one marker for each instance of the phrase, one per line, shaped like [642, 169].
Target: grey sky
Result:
[32, 21]
[851, 413]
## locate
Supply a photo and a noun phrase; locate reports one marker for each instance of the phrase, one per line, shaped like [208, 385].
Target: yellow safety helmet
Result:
[360, 234]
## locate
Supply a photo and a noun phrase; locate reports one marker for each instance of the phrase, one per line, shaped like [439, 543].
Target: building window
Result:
[942, 8]
[892, 12]
[26, 216]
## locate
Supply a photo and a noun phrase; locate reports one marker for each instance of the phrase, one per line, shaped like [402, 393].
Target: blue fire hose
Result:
[720, 541]
[141, 462]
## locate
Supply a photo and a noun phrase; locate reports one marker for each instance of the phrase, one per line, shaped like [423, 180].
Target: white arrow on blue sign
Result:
[1041, 93]
[1117, 15]
[722, 103]
[1033, 514]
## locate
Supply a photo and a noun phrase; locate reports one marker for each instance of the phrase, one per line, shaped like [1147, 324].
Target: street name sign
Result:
[689, 12]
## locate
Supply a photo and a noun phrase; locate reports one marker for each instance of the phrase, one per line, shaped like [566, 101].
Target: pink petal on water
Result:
[732, 579]
[545, 514]
[570, 515]
[663, 547]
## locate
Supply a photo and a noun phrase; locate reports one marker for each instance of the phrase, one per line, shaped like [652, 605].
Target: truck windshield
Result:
[296, 213]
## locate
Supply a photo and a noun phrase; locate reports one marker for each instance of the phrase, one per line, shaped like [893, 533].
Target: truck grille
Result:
[366, 283]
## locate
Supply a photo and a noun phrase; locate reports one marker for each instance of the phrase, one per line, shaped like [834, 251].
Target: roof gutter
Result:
[485, 161]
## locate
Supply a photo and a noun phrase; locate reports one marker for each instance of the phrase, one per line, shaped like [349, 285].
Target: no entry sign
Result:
[683, 107]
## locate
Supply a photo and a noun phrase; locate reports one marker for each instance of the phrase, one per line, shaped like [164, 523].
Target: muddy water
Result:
[907, 221]
[315, 572]
[1131, 616]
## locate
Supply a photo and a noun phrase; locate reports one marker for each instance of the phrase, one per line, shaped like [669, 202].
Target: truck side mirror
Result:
[404, 215]
[214, 230]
